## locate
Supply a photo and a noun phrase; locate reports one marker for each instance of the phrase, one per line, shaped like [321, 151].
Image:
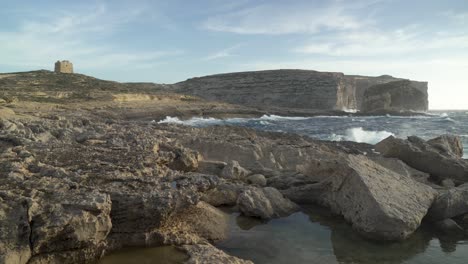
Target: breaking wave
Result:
[358, 134]
[276, 117]
[202, 121]
[194, 121]
[365, 129]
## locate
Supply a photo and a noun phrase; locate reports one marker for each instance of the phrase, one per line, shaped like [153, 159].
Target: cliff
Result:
[291, 89]
[280, 92]
[394, 96]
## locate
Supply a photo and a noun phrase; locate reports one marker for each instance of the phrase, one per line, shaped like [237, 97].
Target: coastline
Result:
[84, 173]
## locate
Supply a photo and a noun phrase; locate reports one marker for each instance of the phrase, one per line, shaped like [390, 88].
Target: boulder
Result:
[402, 168]
[450, 144]
[265, 203]
[76, 221]
[378, 202]
[257, 179]
[208, 254]
[450, 203]
[449, 227]
[206, 221]
[234, 171]
[462, 220]
[177, 157]
[211, 166]
[440, 162]
[224, 194]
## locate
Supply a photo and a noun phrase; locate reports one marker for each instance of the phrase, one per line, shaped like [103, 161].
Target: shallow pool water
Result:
[312, 236]
[157, 255]
[315, 236]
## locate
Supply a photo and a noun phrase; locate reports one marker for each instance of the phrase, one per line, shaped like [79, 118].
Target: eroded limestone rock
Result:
[265, 203]
[208, 254]
[437, 159]
[378, 202]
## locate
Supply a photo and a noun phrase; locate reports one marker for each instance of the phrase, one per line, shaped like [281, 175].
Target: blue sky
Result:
[170, 41]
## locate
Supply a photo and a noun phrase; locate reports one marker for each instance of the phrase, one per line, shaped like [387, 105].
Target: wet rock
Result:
[450, 203]
[448, 183]
[449, 227]
[208, 254]
[440, 162]
[234, 171]
[265, 203]
[462, 220]
[257, 179]
[378, 202]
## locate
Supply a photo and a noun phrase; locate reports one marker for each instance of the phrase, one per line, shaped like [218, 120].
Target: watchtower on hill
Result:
[64, 66]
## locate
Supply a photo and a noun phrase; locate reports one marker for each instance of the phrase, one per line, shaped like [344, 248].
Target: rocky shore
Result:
[83, 173]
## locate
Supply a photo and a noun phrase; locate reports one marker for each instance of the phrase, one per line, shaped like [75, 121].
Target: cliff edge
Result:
[296, 89]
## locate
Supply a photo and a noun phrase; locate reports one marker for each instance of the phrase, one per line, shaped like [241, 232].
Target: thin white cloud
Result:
[458, 17]
[411, 40]
[228, 52]
[288, 18]
[79, 35]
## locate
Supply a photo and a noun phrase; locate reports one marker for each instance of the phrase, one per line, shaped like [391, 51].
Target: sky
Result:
[170, 41]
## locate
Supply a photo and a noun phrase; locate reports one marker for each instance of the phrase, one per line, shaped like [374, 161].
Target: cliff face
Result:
[395, 96]
[264, 89]
[294, 89]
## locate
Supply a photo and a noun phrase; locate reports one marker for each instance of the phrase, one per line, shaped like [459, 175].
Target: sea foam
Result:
[358, 134]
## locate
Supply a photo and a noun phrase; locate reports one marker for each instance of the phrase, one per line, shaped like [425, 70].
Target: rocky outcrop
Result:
[265, 203]
[208, 254]
[450, 203]
[378, 202]
[303, 89]
[234, 171]
[382, 202]
[441, 160]
[394, 97]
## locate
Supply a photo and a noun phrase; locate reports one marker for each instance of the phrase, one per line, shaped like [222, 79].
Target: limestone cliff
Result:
[394, 96]
[292, 89]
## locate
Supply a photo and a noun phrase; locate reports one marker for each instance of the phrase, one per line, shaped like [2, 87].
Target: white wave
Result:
[265, 123]
[449, 119]
[353, 111]
[443, 115]
[358, 134]
[194, 121]
[276, 117]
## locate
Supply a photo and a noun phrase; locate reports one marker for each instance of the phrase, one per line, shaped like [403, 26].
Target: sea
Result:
[314, 235]
[364, 129]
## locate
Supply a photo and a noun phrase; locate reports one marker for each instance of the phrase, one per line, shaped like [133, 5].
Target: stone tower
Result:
[64, 67]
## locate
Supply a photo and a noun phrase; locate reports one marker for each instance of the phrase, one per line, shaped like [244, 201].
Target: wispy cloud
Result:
[274, 18]
[227, 52]
[459, 17]
[410, 40]
[84, 35]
